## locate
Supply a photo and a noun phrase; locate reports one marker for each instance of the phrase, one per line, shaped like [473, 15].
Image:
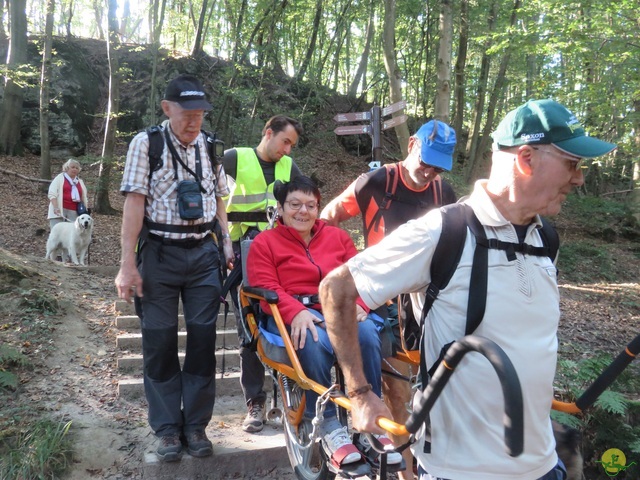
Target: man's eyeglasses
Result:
[295, 205]
[574, 162]
[435, 169]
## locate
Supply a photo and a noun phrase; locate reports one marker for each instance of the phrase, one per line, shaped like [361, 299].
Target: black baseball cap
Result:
[187, 91]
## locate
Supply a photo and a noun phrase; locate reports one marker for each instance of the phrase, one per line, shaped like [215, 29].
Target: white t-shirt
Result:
[522, 314]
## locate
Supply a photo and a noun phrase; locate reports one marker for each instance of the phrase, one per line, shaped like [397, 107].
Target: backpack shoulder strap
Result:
[156, 147]
[391, 185]
[550, 239]
[215, 148]
[446, 256]
[479, 273]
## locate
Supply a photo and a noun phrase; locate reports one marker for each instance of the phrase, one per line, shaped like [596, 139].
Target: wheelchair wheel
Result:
[305, 464]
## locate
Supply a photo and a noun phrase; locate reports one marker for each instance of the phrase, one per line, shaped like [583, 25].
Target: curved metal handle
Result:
[511, 390]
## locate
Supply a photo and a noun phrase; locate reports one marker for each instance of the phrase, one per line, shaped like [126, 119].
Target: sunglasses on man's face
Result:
[435, 169]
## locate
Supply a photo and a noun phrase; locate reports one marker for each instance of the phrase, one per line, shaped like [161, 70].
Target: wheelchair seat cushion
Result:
[273, 347]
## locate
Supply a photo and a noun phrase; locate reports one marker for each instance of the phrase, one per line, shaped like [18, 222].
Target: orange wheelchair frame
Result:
[292, 382]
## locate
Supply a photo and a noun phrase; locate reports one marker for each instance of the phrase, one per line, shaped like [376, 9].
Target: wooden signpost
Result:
[374, 126]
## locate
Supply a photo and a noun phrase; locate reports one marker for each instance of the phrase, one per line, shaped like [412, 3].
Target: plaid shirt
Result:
[161, 205]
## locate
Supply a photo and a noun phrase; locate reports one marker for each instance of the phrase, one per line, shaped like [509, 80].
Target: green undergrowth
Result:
[614, 419]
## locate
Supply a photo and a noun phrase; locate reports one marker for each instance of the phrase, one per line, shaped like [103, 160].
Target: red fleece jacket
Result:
[280, 260]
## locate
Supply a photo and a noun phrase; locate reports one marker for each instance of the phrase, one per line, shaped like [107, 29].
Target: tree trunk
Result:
[156, 22]
[312, 42]
[635, 196]
[461, 61]
[102, 204]
[483, 79]
[498, 90]
[393, 73]
[45, 154]
[238, 28]
[69, 18]
[197, 44]
[3, 26]
[364, 59]
[97, 11]
[443, 89]
[11, 111]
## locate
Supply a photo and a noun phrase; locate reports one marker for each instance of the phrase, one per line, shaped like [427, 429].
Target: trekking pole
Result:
[604, 380]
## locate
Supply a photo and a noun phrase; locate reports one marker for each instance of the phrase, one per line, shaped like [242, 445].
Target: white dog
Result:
[71, 239]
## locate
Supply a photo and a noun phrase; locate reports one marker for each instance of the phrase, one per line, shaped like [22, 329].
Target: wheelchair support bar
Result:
[604, 380]
[512, 393]
[269, 296]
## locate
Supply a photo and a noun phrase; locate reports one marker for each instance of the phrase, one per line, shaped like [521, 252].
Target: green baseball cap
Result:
[540, 122]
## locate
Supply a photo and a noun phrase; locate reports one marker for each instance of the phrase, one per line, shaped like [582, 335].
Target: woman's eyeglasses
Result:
[295, 205]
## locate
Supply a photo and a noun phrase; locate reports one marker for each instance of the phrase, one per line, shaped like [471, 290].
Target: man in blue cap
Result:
[387, 198]
[537, 153]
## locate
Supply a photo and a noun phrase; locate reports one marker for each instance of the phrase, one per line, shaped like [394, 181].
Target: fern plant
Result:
[10, 357]
[613, 421]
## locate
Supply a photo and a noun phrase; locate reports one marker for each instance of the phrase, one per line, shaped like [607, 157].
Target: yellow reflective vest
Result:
[251, 192]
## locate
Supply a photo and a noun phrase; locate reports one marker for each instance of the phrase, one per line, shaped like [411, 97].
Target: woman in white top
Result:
[65, 192]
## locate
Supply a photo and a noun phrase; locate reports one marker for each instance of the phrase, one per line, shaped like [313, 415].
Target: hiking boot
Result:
[254, 421]
[198, 445]
[339, 448]
[170, 448]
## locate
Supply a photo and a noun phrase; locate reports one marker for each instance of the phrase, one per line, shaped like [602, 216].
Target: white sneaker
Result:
[337, 440]
[393, 458]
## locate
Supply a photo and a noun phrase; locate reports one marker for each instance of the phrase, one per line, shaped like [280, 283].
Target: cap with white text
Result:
[187, 91]
[544, 122]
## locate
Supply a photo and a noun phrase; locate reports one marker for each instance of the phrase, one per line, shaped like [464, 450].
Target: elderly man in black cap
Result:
[168, 254]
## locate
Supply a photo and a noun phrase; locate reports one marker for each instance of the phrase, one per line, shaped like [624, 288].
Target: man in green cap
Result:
[537, 153]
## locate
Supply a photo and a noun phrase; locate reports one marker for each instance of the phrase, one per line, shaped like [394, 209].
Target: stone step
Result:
[124, 308]
[132, 342]
[131, 323]
[132, 363]
[236, 454]
[132, 387]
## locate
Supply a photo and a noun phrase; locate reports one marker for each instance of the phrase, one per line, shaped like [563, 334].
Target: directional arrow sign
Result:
[352, 129]
[394, 121]
[352, 117]
[394, 107]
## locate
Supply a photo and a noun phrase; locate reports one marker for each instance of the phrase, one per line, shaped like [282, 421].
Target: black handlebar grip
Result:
[609, 375]
[511, 390]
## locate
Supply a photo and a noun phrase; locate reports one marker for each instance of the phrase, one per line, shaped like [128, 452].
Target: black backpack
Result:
[391, 185]
[215, 148]
[455, 220]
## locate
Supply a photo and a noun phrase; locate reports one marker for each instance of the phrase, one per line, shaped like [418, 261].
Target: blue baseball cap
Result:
[438, 142]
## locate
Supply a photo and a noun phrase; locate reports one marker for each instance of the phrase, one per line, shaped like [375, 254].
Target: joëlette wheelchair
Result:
[290, 382]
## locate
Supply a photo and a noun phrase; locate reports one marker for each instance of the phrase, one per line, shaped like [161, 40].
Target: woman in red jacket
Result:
[292, 259]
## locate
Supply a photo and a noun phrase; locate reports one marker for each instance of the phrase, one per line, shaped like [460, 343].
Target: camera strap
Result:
[175, 157]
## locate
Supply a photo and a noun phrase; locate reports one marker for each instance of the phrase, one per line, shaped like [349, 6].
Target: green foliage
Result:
[588, 259]
[41, 452]
[613, 420]
[10, 357]
[580, 259]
